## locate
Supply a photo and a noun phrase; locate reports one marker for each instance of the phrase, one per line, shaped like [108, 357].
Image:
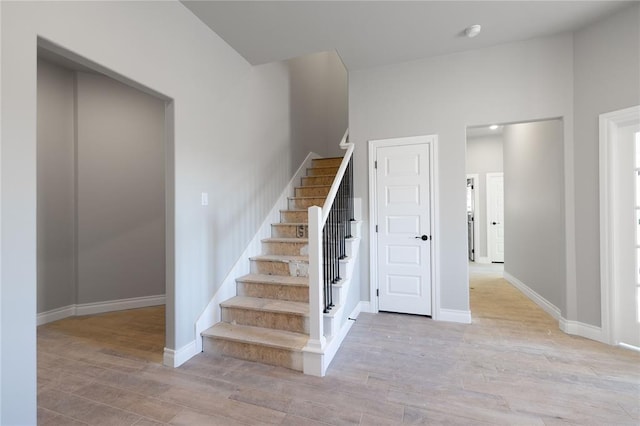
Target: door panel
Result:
[495, 213]
[403, 213]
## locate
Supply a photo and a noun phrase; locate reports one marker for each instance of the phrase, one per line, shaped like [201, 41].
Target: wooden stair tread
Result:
[285, 240]
[314, 186]
[291, 223]
[281, 258]
[258, 335]
[275, 279]
[267, 305]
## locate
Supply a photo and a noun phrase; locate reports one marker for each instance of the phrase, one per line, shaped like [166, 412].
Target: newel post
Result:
[314, 351]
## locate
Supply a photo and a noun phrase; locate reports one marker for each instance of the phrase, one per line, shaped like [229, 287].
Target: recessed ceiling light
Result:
[493, 127]
[472, 31]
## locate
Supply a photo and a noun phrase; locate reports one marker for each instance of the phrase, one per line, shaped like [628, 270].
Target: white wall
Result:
[534, 207]
[607, 78]
[443, 95]
[232, 139]
[56, 187]
[120, 191]
[484, 155]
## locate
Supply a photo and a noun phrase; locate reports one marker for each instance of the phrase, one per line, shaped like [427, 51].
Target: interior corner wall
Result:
[514, 82]
[309, 119]
[607, 70]
[534, 207]
[337, 104]
[484, 155]
[120, 191]
[56, 187]
[319, 91]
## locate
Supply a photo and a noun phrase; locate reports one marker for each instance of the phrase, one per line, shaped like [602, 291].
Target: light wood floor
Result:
[511, 366]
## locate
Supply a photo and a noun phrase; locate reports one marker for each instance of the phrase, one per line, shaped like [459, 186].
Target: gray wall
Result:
[56, 187]
[100, 190]
[120, 156]
[319, 94]
[534, 207]
[233, 139]
[443, 95]
[607, 78]
[337, 104]
[484, 155]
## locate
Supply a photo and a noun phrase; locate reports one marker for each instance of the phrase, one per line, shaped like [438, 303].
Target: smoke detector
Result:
[472, 31]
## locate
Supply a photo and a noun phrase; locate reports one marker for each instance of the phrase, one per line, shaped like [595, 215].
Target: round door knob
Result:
[495, 223]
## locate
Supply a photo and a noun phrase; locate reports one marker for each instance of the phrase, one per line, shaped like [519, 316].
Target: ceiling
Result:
[373, 33]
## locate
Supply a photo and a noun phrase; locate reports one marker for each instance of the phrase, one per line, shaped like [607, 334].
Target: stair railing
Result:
[329, 227]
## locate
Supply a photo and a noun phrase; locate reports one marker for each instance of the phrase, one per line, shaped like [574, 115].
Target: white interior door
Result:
[495, 216]
[626, 158]
[403, 209]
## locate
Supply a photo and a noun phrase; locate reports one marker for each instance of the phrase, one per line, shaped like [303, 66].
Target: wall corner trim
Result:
[99, 307]
[175, 358]
[454, 315]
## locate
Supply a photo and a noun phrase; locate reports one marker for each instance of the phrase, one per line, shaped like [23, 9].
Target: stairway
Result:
[268, 320]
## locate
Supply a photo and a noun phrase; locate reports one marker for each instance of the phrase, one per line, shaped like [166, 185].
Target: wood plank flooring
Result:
[511, 366]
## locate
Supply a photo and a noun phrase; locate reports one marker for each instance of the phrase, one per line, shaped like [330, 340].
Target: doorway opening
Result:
[485, 168]
[104, 229]
[521, 207]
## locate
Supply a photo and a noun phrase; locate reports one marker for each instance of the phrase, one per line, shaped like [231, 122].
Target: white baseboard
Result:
[454, 315]
[119, 305]
[572, 327]
[175, 358]
[99, 307]
[211, 314]
[583, 330]
[546, 306]
[56, 314]
[630, 347]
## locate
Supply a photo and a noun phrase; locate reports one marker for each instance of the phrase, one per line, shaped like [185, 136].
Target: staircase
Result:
[268, 320]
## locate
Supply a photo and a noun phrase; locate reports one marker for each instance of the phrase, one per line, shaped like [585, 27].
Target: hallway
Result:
[511, 366]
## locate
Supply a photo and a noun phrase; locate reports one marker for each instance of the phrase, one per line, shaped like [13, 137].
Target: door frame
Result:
[432, 142]
[476, 215]
[487, 219]
[609, 127]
